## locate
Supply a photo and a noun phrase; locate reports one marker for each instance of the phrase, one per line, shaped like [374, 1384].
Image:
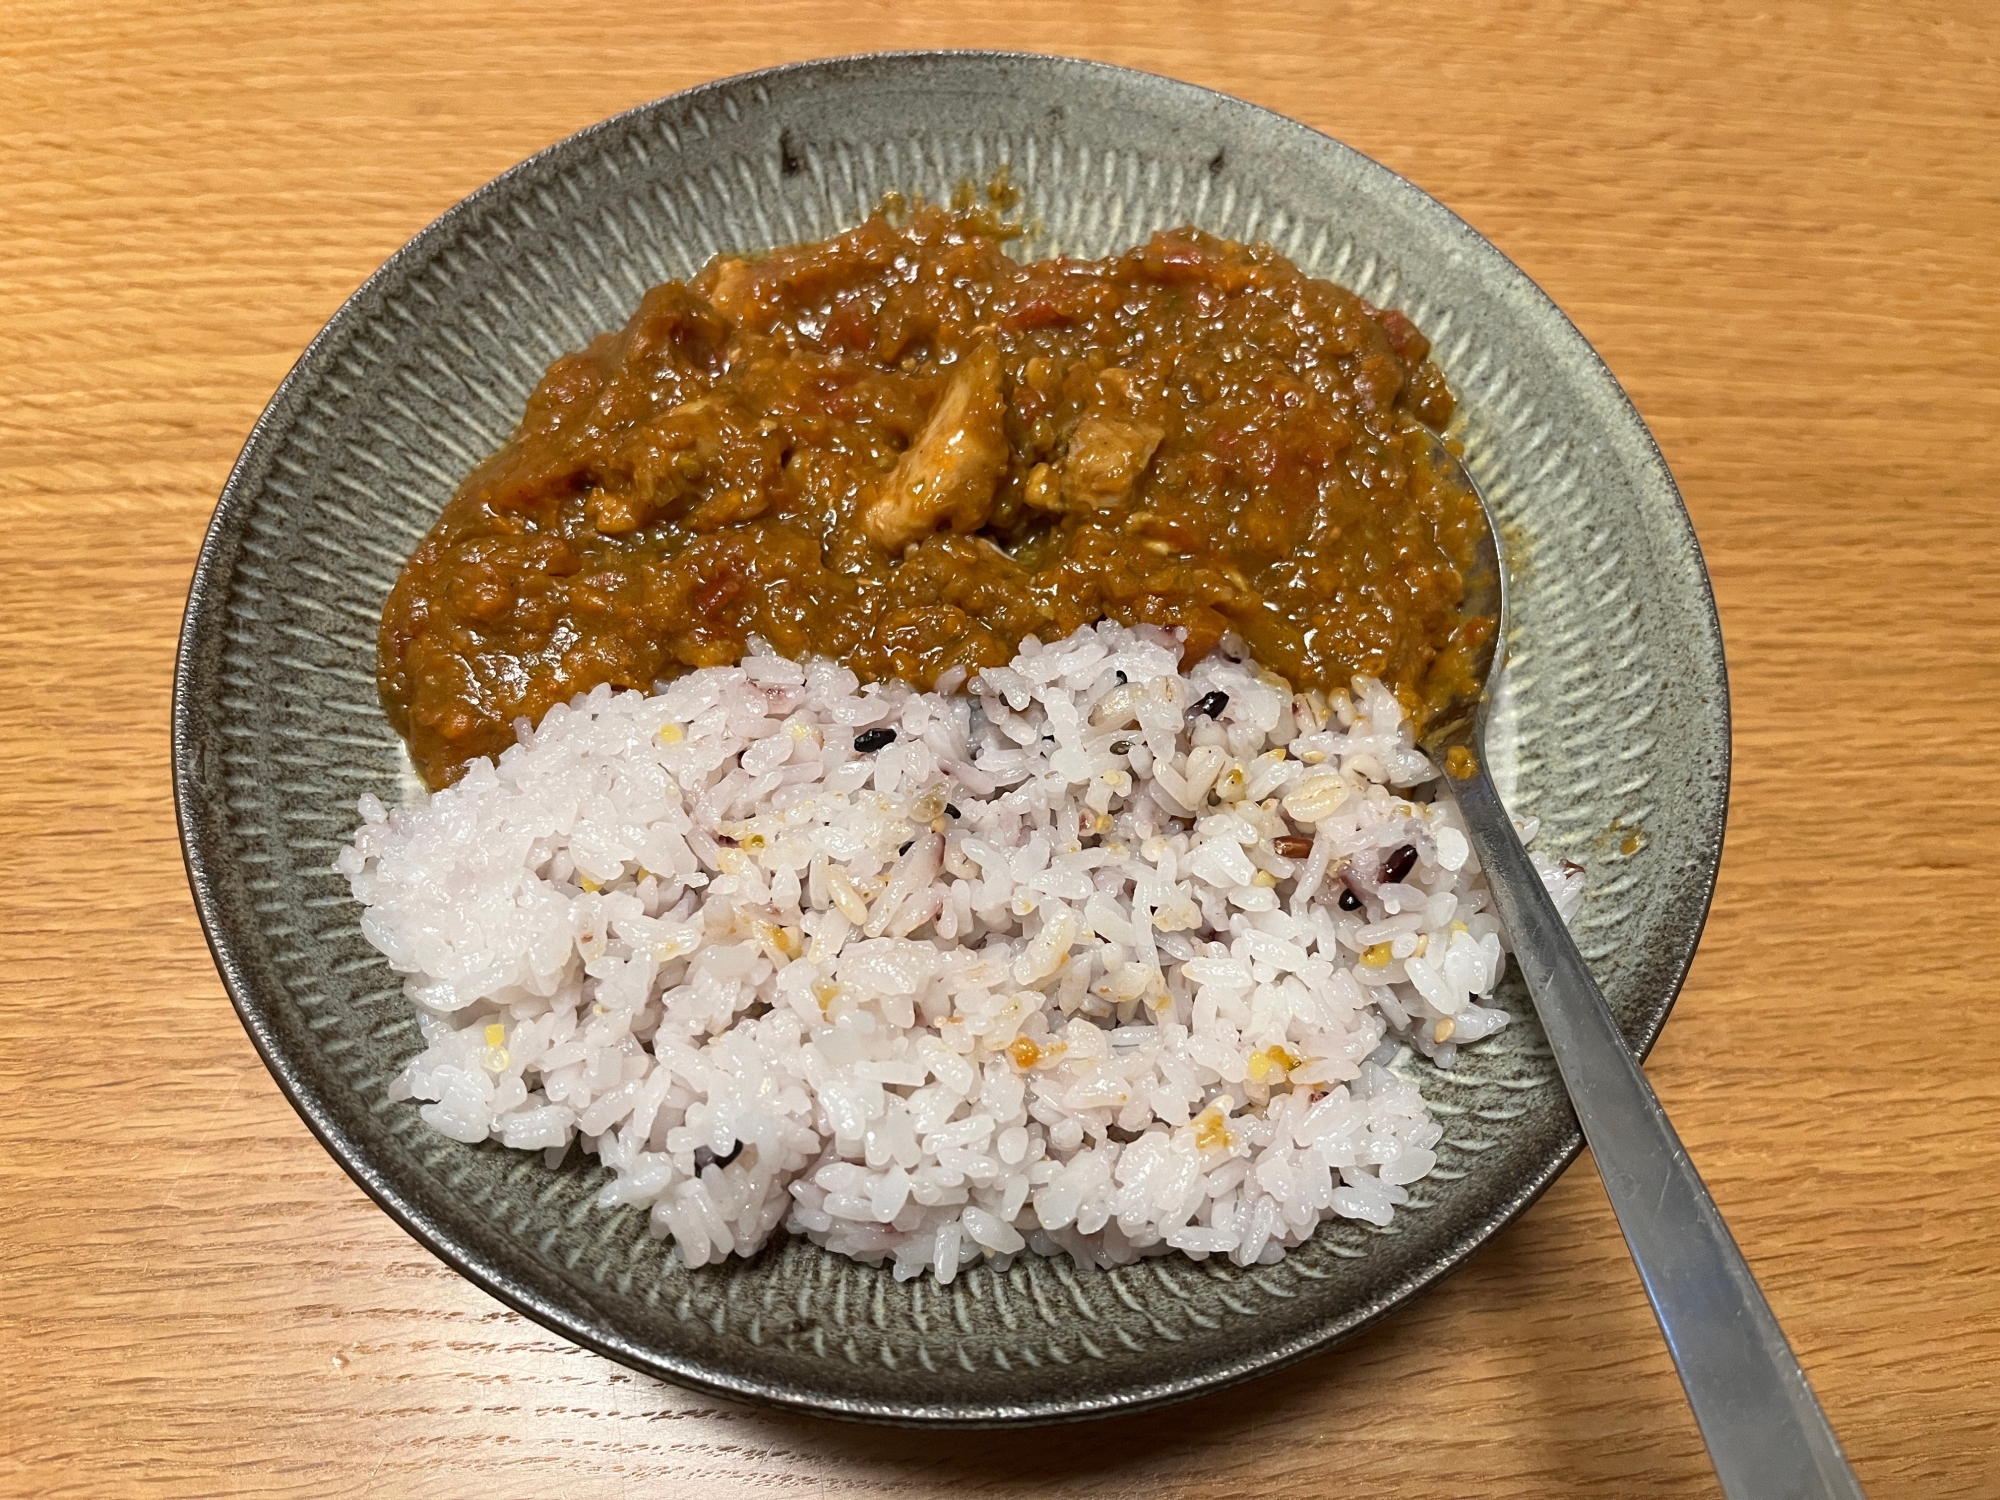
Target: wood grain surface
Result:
[1779, 227]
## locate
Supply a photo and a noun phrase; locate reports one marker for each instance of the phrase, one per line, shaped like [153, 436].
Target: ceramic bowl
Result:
[1615, 730]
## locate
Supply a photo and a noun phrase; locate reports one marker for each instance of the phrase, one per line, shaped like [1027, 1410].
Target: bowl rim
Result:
[206, 611]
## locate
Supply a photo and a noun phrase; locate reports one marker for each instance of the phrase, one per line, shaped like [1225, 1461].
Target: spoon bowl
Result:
[1459, 719]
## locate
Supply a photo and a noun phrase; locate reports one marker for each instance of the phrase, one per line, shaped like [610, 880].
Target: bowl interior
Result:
[1613, 727]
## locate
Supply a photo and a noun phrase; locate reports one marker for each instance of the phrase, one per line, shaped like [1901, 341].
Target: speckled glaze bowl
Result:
[1615, 734]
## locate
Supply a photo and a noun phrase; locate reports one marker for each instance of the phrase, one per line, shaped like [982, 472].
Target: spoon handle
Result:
[1765, 1433]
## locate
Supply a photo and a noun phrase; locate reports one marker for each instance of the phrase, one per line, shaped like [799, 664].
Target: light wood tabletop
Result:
[1777, 224]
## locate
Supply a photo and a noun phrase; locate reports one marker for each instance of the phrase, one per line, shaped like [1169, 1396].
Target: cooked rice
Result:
[1037, 975]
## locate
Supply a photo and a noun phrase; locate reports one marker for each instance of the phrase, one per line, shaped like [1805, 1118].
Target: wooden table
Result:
[1778, 227]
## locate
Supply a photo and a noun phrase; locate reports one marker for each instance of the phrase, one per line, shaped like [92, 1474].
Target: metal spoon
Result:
[1765, 1432]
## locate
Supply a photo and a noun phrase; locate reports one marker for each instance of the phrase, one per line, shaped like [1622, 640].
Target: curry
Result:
[904, 450]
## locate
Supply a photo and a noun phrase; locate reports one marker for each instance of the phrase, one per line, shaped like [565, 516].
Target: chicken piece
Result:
[1106, 459]
[948, 475]
[728, 286]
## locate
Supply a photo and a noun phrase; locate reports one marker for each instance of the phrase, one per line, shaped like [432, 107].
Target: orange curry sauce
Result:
[901, 449]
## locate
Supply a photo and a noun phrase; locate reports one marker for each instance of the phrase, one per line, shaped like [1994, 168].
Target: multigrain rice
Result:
[1070, 963]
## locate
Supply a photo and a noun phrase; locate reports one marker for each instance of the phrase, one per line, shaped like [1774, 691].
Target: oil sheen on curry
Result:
[904, 450]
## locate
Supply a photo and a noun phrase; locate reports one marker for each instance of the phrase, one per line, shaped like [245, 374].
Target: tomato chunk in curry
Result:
[902, 449]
